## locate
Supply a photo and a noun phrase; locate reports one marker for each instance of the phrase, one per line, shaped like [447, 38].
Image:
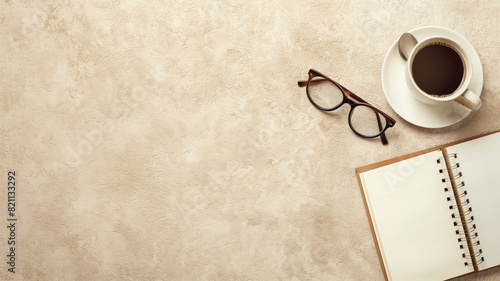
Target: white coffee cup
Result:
[462, 94]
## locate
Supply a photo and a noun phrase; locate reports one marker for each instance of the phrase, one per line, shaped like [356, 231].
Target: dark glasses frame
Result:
[351, 99]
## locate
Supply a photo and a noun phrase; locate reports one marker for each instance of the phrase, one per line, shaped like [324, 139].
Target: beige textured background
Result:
[161, 140]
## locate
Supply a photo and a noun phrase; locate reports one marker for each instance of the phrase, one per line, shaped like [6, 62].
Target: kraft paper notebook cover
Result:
[435, 214]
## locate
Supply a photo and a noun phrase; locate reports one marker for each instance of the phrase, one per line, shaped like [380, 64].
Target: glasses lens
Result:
[325, 94]
[367, 121]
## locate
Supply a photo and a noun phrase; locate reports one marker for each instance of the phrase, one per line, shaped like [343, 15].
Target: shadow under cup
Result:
[439, 69]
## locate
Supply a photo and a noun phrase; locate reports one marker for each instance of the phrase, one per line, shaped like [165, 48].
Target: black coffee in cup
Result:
[437, 69]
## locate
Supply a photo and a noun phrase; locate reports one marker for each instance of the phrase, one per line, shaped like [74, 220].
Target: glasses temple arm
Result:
[303, 83]
[352, 95]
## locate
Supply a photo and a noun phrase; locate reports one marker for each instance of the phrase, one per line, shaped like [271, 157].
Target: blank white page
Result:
[479, 161]
[412, 220]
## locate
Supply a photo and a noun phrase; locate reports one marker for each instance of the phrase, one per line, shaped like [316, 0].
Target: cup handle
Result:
[469, 100]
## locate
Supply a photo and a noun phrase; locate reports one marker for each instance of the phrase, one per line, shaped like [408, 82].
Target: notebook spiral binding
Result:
[465, 227]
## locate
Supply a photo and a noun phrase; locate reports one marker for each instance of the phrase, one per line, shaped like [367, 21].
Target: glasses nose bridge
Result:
[350, 102]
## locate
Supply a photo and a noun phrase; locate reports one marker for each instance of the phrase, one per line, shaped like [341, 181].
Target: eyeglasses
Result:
[365, 120]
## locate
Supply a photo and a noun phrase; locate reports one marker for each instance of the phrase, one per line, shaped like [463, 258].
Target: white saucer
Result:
[398, 92]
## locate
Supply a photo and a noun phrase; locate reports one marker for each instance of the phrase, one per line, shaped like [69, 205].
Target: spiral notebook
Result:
[435, 214]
